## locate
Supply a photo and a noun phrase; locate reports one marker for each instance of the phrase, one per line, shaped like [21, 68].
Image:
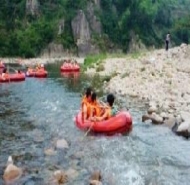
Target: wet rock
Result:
[185, 115]
[61, 144]
[181, 128]
[50, 152]
[184, 126]
[155, 118]
[170, 122]
[152, 109]
[163, 115]
[179, 119]
[146, 117]
[95, 178]
[60, 177]
[11, 172]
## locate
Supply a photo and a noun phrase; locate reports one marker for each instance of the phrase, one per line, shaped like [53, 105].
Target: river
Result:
[37, 112]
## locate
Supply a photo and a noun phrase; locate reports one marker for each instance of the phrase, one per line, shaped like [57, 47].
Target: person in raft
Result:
[19, 71]
[38, 66]
[1, 62]
[30, 69]
[41, 69]
[109, 110]
[97, 108]
[5, 74]
[85, 105]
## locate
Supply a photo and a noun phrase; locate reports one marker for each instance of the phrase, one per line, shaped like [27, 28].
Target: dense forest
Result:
[28, 26]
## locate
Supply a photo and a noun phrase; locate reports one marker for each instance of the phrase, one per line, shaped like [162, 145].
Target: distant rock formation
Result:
[53, 50]
[83, 26]
[81, 33]
[32, 7]
[135, 43]
[61, 26]
[94, 23]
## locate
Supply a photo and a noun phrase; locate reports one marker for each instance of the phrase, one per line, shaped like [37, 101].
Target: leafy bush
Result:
[93, 59]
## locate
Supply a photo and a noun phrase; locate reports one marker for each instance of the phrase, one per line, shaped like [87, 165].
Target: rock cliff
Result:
[84, 25]
[32, 7]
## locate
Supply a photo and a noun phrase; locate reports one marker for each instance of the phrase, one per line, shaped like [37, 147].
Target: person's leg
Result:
[167, 45]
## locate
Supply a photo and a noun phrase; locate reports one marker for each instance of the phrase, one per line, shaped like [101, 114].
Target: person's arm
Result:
[84, 111]
[104, 116]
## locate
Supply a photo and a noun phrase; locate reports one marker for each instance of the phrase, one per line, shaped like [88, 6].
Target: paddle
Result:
[89, 129]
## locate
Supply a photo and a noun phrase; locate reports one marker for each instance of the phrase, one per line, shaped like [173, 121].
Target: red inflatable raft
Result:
[70, 74]
[121, 123]
[2, 66]
[13, 78]
[37, 74]
[69, 69]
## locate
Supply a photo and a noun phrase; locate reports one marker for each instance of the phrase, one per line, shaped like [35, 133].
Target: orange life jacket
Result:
[95, 107]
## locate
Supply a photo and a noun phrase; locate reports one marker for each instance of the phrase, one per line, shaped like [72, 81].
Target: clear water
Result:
[37, 112]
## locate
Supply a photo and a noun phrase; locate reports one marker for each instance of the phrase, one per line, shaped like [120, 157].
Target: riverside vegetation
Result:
[30, 28]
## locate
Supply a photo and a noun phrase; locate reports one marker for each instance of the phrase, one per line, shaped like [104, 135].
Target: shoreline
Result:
[158, 77]
[34, 61]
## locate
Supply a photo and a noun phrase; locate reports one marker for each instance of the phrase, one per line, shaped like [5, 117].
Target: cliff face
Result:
[82, 34]
[32, 7]
[83, 26]
[95, 24]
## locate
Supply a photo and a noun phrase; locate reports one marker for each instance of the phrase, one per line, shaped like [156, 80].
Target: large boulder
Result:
[12, 172]
[62, 144]
[155, 118]
[95, 178]
[184, 129]
[60, 177]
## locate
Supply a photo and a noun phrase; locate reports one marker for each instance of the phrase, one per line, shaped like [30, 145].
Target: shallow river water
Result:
[37, 112]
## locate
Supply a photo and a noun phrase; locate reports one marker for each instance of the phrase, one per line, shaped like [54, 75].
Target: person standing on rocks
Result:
[167, 41]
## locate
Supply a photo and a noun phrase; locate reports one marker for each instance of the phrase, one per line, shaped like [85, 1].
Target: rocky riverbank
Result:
[34, 61]
[158, 77]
